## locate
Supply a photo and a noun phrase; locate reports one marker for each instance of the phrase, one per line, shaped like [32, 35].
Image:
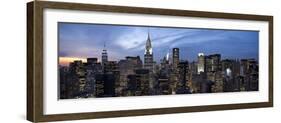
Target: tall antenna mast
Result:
[148, 31]
[104, 44]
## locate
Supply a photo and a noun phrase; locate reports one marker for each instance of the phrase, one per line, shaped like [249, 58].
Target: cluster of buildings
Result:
[133, 77]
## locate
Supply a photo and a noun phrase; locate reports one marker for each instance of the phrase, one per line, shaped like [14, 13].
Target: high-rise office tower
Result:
[77, 78]
[148, 55]
[142, 75]
[215, 62]
[104, 57]
[92, 60]
[201, 63]
[176, 58]
[183, 73]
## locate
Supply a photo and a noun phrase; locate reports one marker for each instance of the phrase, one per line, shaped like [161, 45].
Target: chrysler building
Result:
[148, 55]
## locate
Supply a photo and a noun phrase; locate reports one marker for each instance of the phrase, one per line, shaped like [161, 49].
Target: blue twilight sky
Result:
[87, 40]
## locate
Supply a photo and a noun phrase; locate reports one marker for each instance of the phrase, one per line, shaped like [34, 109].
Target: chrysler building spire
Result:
[148, 46]
[148, 56]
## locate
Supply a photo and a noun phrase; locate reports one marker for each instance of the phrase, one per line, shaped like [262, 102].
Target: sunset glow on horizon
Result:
[64, 61]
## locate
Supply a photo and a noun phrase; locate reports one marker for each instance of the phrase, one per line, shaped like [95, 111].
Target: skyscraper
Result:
[201, 63]
[105, 85]
[77, 77]
[127, 66]
[92, 60]
[176, 57]
[142, 75]
[104, 58]
[212, 62]
[148, 55]
[183, 74]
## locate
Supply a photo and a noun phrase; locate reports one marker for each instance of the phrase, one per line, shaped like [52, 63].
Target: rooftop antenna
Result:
[148, 30]
[104, 45]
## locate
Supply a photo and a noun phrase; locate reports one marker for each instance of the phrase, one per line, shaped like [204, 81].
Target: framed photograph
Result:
[90, 61]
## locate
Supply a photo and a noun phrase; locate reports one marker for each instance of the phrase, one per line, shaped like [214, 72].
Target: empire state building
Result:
[148, 55]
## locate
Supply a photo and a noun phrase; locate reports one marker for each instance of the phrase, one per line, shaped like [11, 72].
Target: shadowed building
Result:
[251, 73]
[127, 67]
[142, 75]
[212, 62]
[77, 80]
[64, 83]
[218, 82]
[182, 85]
[105, 85]
[92, 68]
[92, 60]
[206, 86]
[110, 66]
[133, 88]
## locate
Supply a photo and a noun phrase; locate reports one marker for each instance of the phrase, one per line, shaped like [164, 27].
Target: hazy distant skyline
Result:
[80, 41]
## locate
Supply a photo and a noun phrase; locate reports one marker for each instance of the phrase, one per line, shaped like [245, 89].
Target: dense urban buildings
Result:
[133, 76]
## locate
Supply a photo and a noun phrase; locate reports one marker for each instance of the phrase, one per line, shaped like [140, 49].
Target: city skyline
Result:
[117, 73]
[81, 41]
